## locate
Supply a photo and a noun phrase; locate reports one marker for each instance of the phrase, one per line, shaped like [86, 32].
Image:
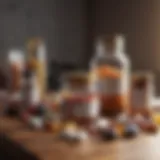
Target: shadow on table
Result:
[10, 150]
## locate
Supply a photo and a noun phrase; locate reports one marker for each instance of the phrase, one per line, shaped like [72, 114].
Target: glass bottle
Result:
[142, 93]
[110, 70]
[16, 66]
[36, 54]
[79, 103]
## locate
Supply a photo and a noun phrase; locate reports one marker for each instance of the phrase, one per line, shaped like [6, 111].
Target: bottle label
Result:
[109, 85]
[142, 92]
[82, 107]
[140, 98]
[111, 80]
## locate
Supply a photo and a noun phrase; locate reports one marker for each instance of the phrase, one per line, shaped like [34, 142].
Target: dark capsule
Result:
[109, 134]
[41, 110]
[131, 130]
[69, 137]
[12, 110]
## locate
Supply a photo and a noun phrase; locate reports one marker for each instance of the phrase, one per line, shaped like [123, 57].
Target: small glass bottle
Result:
[36, 54]
[142, 93]
[110, 70]
[16, 65]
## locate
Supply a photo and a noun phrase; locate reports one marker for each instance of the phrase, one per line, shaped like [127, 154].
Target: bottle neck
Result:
[110, 47]
[101, 51]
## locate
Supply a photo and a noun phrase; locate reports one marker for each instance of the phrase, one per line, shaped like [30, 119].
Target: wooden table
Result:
[43, 145]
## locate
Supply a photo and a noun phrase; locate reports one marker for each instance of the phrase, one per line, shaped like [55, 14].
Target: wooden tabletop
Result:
[44, 146]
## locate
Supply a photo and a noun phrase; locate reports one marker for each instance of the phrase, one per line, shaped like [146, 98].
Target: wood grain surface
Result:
[44, 146]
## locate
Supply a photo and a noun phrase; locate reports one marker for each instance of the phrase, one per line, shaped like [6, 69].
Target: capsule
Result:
[109, 134]
[41, 110]
[36, 122]
[149, 127]
[131, 130]
[82, 135]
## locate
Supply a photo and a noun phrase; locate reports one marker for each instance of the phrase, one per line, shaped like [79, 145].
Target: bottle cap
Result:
[111, 43]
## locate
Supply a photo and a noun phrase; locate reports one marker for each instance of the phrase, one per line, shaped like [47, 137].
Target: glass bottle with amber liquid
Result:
[110, 70]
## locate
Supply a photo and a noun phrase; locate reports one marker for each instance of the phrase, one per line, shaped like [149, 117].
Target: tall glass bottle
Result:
[36, 54]
[110, 74]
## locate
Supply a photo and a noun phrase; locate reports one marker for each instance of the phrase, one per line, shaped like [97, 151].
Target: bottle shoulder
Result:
[119, 60]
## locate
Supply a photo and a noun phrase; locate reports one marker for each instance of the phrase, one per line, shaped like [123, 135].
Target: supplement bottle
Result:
[109, 75]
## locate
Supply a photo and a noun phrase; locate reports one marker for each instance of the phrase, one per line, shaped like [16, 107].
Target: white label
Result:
[140, 98]
[17, 57]
[86, 109]
[110, 85]
[32, 92]
[89, 108]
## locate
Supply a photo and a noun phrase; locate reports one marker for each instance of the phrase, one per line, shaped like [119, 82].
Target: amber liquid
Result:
[16, 78]
[111, 104]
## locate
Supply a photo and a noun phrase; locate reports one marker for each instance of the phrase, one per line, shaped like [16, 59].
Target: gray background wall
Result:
[62, 23]
[70, 27]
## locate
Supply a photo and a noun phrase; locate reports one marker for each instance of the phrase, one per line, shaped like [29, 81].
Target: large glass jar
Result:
[79, 104]
[110, 75]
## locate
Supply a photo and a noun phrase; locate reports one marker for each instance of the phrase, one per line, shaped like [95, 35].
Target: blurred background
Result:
[70, 28]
